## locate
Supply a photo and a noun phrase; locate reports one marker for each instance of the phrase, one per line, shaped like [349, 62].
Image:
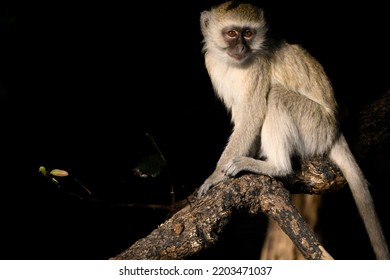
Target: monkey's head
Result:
[235, 31]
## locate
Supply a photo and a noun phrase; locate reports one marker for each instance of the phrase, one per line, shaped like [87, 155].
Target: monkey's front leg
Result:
[241, 144]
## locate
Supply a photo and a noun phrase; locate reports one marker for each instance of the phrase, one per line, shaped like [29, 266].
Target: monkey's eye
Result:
[247, 33]
[232, 33]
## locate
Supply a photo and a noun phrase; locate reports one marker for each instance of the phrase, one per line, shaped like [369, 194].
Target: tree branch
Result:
[199, 225]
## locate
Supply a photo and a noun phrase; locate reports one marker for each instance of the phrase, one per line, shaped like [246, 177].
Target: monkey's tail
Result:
[342, 156]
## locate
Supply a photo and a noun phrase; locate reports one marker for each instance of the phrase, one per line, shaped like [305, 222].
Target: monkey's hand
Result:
[238, 164]
[215, 178]
[231, 169]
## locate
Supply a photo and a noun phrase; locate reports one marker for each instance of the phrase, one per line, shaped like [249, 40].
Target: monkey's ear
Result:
[261, 12]
[204, 20]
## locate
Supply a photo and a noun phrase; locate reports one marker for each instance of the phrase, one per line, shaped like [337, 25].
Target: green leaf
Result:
[42, 169]
[59, 173]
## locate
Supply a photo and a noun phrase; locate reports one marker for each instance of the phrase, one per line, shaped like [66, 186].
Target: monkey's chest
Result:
[230, 84]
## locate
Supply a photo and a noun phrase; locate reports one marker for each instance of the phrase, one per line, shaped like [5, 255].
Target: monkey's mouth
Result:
[238, 56]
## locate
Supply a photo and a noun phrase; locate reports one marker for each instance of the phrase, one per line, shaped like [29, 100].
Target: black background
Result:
[81, 85]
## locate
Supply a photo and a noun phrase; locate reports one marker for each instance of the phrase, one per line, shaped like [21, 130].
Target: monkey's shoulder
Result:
[289, 51]
[295, 59]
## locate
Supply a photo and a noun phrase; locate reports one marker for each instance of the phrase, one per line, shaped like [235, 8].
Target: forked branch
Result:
[199, 225]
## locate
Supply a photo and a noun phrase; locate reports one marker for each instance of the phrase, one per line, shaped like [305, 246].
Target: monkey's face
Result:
[238, 42]
[232, 36]
[239, 45]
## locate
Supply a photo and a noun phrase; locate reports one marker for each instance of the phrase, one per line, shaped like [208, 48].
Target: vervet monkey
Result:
[281, 103]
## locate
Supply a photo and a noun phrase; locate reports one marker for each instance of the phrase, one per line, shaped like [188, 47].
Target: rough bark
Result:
[277, 245]
[199, 225]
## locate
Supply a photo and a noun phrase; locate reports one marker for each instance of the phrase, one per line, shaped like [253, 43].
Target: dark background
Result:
[82, 84]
